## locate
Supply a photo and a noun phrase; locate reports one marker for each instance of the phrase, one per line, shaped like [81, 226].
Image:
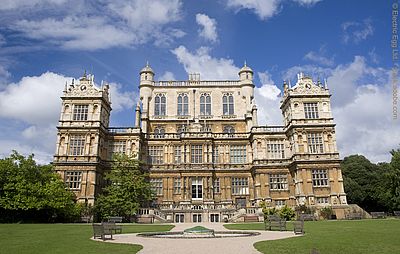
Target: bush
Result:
[286, 213]
[326, 212]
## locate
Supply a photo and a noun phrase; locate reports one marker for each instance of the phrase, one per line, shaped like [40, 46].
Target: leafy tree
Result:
[33, 192]
[327, 212]
[393, 180]
[128, 188]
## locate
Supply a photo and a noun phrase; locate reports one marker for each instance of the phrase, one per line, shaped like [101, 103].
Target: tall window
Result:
[197, 153]
[118, 147]
[240, 185]
[160, 104]
[278, 182]
[177, 185]
[73, 179]
[77, 145]
[177, 154]
[315, 144]
[156, 154]
[159, 132]
[80, 112]
[276, 150]
[320, 177]
[217, 185]
[215, 154]
[205, 104]
[311, 110]
[197, 188]
[227, 104]
[237, 154]
[183, 105]
[157, 186]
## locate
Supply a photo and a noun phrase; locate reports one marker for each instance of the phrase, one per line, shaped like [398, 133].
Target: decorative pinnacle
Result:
[245, 63]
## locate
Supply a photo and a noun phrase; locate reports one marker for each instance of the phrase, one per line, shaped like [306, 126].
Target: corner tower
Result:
[315, 163]
[82, 130]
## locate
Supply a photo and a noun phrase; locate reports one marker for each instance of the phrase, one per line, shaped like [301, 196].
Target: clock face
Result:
[83, 87]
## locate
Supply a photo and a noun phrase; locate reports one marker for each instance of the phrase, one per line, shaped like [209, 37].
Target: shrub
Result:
[286, 213]
[326, 212]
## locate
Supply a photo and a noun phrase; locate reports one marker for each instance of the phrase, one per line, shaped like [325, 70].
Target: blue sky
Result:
[44, 43]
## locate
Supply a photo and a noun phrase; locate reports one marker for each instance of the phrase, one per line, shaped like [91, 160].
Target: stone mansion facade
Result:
[208, 158]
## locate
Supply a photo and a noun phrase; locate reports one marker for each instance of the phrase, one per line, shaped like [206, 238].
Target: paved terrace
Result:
[241, 245]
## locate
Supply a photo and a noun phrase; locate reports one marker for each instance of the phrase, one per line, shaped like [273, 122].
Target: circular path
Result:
[240, 245]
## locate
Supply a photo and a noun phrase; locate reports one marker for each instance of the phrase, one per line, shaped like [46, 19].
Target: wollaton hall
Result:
[208, 158]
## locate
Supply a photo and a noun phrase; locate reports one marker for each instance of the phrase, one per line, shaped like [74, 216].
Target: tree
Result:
[128, 188]
[33, 192]
[393, 180]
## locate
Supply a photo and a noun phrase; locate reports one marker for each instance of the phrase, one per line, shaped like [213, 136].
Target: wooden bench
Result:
[100, 231]
[378, 215]
[307, 217]
[298, 227]
[353, 216]
[113, 227]
[86, 219]
[115, 219]
[274, 221]
[396, 214]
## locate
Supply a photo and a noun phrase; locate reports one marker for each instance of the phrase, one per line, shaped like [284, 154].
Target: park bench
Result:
[396, 214]
[307, 217]
[86, 219]
[274, 221]
[378, 215]
[298, 227]
[113, 227]
[100, 231]
[353, 216]
[115, 219]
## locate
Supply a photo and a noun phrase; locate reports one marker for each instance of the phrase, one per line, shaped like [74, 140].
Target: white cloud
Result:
[18, 4]
[34, 100]
[309, 69]
[208, 67]
[267, 99]
[357, 31]
[264, 9]
[361, 103]
[167, 76]
[30, 109]
[318, 57]
[118, 24]
[208, 27]
[307, 3]
[121, 100]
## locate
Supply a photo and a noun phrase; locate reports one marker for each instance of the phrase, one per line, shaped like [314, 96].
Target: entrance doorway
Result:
[196, 217]
[214, 218]
[179, 218]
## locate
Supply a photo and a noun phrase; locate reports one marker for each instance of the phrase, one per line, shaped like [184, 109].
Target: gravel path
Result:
[240, 245]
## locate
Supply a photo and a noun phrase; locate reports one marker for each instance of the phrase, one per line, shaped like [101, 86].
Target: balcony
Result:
[269, 129]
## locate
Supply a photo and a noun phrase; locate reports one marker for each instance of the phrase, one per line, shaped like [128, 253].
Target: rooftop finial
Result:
[147, 63]
[245, 63]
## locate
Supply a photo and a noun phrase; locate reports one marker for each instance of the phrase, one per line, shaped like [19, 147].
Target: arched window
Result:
[159, 132]
[227, 103]
[229, 129]
[160, 103]
[183, 105]
[205, 104]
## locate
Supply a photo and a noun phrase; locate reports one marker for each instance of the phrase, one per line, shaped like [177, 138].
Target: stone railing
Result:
[204, 134]
[123, 130]
[198, 83]
[262, 129]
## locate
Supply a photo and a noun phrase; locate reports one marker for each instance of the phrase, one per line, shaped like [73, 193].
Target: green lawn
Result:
[363, 236]
[65, 238]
